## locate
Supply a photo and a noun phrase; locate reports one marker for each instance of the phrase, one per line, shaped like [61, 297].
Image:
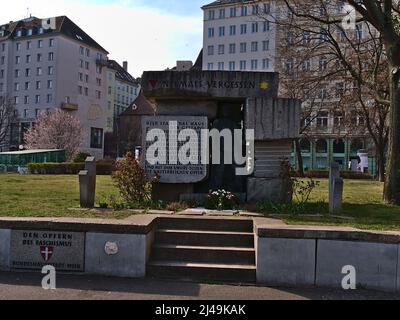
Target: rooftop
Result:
[219, 3]
[33, 27]
[121, 73]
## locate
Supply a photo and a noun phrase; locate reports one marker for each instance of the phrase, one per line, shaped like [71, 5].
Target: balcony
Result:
[69, 106]
[102, 62]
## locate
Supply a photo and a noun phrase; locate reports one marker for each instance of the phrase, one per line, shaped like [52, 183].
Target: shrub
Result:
[131, 180]
[102, 168]
[222, 200]
[81, 157]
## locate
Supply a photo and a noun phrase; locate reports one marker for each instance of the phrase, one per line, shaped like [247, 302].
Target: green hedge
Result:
[324, 174]
[102, 168]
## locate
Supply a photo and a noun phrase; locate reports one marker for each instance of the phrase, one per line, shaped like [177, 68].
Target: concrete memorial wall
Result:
[227, 100]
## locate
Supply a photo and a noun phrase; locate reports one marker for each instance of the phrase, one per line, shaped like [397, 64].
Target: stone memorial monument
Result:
[87, 183]
[229, 102]
[335, 189]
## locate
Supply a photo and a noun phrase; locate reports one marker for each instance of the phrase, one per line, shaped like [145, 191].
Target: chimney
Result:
[125, 65]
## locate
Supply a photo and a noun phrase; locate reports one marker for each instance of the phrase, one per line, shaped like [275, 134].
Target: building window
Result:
[38, 85]
[86, 65]
[49, 84]
[254, 27]
[51, 56]
[232, 66]
[86, 91]
[39, 71]
[26, 100]
[50, 70]
[232, 30]
[211, 15]
[18, 46]
[266, 45]
[254, 46]
[96, 138]
[80, 89]
[243, 47]
[243, 28]
[210, 32]
[254, 64]
[222, 13]
[16, 86]
[82, 50]
[305, 146]
[37, 99]
[17, 59]
[51, 42]
[210, 50]
[255, 9]
[210, 66]
[338, 146]
[321, 146]
[243, 65]
[244, 11]
[221, 49]
[220, 66]
[322, 119]
[28, 45]
[221, 31]
[49, 98]
[17, 73]
[232, 48]
[266, 64]
[40, 43]
[266, 26]
[233, 12]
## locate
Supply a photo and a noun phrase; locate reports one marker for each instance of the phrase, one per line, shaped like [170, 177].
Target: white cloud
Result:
[147, 39]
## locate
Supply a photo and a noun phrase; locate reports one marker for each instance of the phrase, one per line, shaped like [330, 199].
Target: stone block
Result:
[287, 262]
[116, 255]
[375, 264]
[195, 84]
[275, 190]
[5, 240]
[273, 118]
[200, 108]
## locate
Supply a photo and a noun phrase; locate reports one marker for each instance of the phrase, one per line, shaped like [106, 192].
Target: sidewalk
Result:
[27, 286]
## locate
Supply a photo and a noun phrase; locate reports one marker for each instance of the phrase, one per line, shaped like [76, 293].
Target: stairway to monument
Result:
[203, 249]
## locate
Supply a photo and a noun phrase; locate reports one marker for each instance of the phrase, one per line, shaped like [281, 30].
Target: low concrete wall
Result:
[5, 235]
[291, 256]
[130, 241]
[286, 261]
[129, 261]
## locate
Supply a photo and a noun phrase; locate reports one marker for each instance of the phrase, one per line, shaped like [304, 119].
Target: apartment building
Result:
[242, 35]
[52, 63]
[238, 36]
[122, 90]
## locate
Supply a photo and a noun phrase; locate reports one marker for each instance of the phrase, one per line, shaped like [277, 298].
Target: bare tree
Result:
[56, 130]
[8, 117]
[362, 60]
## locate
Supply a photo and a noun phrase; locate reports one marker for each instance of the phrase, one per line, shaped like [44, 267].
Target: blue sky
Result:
[150, 35]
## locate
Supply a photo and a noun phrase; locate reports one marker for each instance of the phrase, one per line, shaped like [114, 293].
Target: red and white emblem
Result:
[46, 252]
[153, 83]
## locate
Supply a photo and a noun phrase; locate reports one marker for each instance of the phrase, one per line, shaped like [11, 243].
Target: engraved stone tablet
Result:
[167, 139]
[31, 250]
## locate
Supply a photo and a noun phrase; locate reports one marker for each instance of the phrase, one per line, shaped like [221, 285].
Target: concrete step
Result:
[206, 224]
[205, 238]
[202, 271]
[219, 255]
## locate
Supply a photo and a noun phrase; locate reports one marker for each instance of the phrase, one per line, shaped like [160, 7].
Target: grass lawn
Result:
[51, 196]
[47, 196]
[363, 206]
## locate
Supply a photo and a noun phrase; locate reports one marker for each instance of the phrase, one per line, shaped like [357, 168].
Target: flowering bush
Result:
[222, 200]
[131, 180]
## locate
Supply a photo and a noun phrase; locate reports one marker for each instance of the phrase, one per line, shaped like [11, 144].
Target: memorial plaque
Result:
[173, 144]
[31, 250]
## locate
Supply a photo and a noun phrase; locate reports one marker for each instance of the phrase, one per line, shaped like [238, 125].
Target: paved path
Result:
[27, 286]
